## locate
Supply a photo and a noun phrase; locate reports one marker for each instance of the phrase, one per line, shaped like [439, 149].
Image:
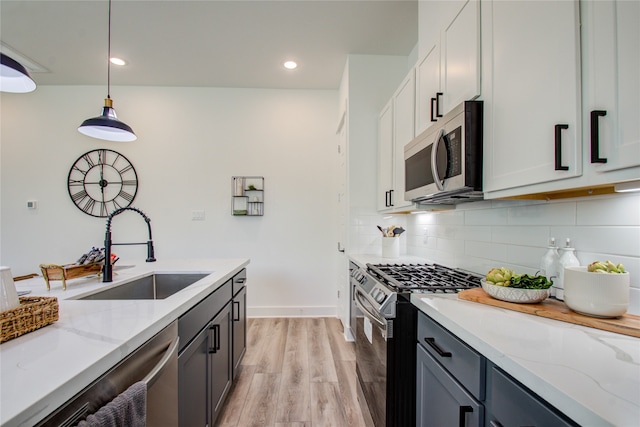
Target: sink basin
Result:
[155, 286]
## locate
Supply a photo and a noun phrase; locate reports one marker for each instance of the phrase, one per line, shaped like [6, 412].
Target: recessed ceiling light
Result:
[290, 65]
[117, 61]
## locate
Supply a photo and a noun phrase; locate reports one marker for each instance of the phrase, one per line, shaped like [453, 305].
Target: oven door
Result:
[372, 333]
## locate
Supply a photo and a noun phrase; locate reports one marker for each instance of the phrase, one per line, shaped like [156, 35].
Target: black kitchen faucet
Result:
[107, 271]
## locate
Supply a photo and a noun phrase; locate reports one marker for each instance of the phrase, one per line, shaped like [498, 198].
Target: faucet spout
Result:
[107, 271]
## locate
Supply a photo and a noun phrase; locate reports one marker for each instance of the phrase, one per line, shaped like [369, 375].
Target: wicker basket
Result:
[33, 313]
[67, 272]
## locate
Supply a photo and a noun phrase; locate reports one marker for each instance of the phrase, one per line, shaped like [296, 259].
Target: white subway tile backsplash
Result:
[486, 250]
[543, 214]
[486, 216]
[623, 241]
[515, 234]
[521, 235]
[450, 217]
[621, 210]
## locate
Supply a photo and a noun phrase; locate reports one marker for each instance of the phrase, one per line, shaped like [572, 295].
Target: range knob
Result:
[379, 296]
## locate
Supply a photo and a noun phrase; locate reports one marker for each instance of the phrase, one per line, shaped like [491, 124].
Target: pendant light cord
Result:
[109, 56]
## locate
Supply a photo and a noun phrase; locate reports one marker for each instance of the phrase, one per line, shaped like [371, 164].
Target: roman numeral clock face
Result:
[102, 181]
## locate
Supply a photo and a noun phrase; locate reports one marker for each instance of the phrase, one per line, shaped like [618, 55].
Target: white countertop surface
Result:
[592, 376]
[41, 370]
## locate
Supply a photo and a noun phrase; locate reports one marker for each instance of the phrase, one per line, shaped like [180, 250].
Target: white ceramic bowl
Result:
[522, 296]
[596, 294]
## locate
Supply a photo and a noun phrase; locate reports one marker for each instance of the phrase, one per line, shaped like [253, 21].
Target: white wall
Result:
[481, 235]
[191, 141]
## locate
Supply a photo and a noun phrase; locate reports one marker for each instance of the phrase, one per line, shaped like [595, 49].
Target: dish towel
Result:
[128, 409]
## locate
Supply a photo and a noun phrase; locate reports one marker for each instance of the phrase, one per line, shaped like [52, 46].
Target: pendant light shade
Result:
[107, 126]
[14, 77]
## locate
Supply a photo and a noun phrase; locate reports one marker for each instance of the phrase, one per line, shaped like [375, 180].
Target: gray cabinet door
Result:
[239, 328]
[193, 383]
[511, 404]
[440, 400]
[220, 359]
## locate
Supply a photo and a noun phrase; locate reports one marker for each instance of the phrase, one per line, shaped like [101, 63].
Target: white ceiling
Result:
[214, 43]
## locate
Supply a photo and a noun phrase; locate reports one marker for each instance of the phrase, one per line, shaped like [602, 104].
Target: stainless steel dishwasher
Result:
[155, 362]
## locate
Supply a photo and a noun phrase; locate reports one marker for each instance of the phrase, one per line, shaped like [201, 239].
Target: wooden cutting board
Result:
[627, 324]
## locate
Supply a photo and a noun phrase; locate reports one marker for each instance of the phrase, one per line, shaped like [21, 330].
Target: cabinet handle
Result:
[391, 198]
[433, 109]
[433, 345]
[463, 415]
[236, 311]
[215, 339]
[558, 142]
[241, 280]
[493, 423]
[340, 249]
[438, 95]
[595, 137]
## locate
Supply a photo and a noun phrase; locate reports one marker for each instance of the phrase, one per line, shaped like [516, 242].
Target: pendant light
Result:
[107, 126]
[14, 77]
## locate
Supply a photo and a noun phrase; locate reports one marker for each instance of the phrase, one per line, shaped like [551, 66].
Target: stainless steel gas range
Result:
[386, 334]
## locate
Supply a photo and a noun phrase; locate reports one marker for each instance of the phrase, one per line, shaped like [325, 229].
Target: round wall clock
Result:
[101, 181]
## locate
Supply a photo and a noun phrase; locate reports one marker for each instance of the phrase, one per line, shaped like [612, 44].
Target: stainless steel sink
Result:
[155, 286]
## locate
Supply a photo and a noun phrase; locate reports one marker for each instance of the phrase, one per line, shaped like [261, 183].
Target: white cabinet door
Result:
[403, 131]
[385, 157]
[460, 76]
[611, 62]
[449, 72]
[531, 89]
[427, 88]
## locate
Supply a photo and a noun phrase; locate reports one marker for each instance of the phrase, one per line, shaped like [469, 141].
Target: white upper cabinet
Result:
[448, 71]
[403, 133]
[385, 157]
[460, 78]
[611, 72]
[395, 130]
[531, 89]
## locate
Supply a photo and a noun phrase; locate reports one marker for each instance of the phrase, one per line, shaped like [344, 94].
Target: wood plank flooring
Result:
[296, 372]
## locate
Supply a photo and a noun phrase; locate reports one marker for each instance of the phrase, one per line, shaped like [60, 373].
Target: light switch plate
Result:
[197, 215]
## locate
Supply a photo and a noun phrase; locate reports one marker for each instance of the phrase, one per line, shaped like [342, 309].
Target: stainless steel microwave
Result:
[444, 163]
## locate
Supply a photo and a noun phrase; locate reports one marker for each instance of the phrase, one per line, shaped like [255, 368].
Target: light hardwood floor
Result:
[296, 372]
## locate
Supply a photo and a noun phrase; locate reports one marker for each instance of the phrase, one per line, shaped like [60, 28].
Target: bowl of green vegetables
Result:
[507, 285]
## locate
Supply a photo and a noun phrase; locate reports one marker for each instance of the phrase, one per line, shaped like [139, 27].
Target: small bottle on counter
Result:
[567, 259]
[549, 263]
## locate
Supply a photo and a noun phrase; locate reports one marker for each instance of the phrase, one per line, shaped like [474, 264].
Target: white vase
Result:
[8, 295]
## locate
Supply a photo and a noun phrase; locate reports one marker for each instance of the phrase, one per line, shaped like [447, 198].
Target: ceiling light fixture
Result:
[626, 187]
[14, 77]
[107, 126]
[117, 61]
[290, 65]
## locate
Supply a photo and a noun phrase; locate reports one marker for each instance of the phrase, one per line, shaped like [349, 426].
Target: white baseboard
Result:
[291, 311]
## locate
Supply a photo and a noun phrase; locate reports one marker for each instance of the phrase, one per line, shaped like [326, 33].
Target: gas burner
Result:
[431, 278]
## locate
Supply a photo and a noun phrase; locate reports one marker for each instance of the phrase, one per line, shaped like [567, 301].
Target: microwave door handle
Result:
[434, 158]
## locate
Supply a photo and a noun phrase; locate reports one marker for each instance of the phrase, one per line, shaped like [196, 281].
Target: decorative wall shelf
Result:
[247, 196]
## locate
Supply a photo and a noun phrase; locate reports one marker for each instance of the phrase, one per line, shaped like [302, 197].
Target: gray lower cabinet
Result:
[509, 403]
[442, 401]
[239, 328]
[205, 358]
[239, 312]
[450, 379]
[456, 386]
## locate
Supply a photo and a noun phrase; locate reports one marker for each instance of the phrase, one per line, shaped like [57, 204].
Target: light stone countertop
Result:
[592, 376]
[41, 370]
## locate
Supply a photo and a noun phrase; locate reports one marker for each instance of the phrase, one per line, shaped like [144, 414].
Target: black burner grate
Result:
[424, 277]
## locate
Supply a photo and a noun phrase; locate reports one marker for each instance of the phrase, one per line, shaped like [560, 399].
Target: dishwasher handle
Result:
[157, 370]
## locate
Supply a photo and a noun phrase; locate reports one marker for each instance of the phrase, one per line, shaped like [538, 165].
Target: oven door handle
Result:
[368, 313]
